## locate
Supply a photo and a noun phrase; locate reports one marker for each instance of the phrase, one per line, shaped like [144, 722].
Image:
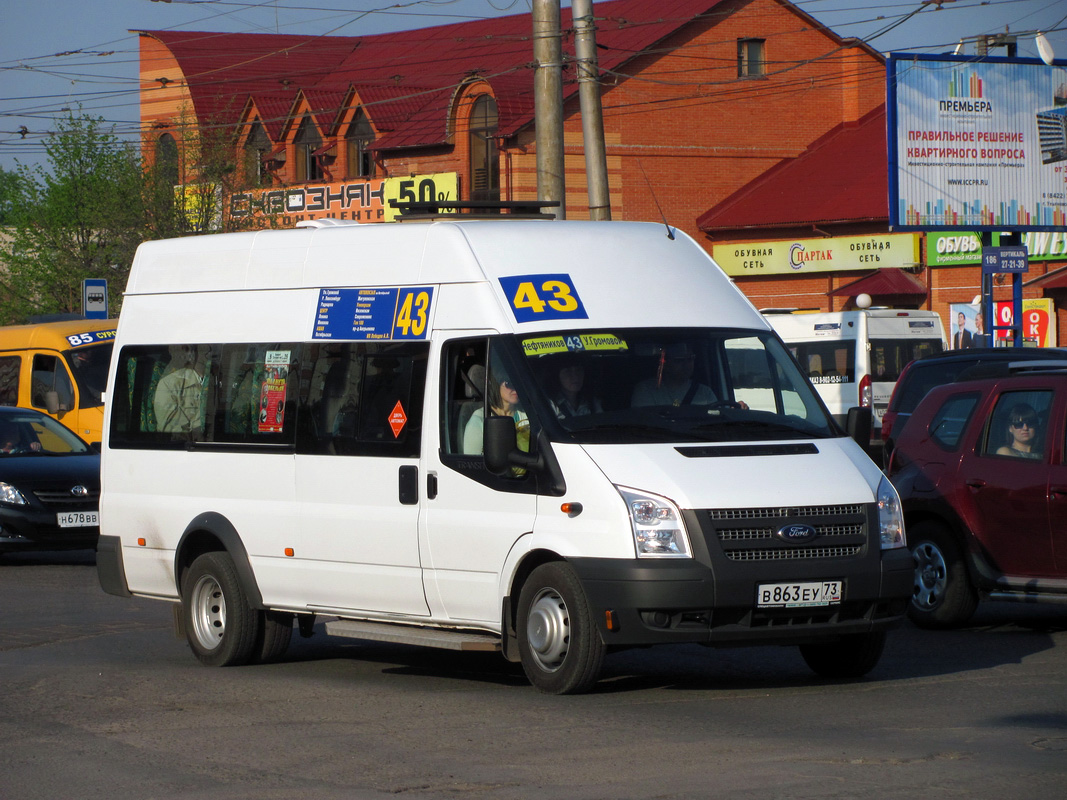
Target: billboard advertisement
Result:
[969, 330]
[977, 143]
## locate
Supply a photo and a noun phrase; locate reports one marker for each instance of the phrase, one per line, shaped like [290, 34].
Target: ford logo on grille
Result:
[79, 491]
[796, 533]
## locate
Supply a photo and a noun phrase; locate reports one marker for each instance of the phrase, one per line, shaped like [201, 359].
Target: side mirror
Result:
[500, 448]
[51, 402]
[858, 426]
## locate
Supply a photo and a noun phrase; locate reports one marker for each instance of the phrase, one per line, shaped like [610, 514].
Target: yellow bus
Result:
[60, 369]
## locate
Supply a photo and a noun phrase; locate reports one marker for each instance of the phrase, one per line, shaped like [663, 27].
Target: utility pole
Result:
[596, 160]
[548, 104]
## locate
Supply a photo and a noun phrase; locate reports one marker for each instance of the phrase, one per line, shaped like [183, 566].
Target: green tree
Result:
[11, 195]
[81, 218]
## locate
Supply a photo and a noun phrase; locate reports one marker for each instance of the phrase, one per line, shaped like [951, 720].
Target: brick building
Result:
[741, 122]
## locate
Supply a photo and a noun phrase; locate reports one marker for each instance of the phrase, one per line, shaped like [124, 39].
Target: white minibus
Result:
[550, 439]
[853, 358]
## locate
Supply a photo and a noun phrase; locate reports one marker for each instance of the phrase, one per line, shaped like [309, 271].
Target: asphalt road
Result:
[101, 701]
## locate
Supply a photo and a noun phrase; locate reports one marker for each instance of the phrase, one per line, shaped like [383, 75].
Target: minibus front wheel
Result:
[559, 644]
[221, 626]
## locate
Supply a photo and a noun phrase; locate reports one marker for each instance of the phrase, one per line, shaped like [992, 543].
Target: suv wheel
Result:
[943, 596]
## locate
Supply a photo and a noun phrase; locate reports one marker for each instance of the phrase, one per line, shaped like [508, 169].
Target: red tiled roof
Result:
[880, 283]
[842, 177]
[406, 79]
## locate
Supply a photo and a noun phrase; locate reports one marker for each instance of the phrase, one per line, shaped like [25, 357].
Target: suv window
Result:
[890, 356]
[1017, 425]
[950, 421]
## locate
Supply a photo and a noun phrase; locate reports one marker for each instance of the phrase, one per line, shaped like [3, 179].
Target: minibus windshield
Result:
[673, 384]
[90, 365]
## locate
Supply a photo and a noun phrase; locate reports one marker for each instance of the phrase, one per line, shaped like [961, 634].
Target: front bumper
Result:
[660, 602]
[28, 528]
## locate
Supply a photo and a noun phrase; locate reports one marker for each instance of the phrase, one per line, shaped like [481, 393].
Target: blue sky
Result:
[66, 54]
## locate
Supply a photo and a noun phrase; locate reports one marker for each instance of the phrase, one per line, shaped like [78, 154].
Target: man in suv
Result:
[981, 469]
[923, 374]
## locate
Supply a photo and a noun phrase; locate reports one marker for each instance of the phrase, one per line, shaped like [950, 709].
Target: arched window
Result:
[358, 140]
[167, 159]
[485, 157]
[307, 141]
[256, 149]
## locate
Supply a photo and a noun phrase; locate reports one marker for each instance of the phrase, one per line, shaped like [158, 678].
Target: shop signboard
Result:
[359, 200]
[964, 248]
[806, 256]
[978, 144]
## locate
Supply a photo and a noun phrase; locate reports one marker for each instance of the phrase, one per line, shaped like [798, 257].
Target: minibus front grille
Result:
[782, 511]
[765, 534]
[744, 534]
[792, 554]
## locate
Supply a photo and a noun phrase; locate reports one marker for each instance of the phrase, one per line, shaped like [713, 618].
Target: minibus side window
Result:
[464, 389]
[253, 396]
[162, 395]
[475, 381]
[363, 399]
[9, 380]
[49, 375]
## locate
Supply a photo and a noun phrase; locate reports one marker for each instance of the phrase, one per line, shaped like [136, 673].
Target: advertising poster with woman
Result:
[272, 392]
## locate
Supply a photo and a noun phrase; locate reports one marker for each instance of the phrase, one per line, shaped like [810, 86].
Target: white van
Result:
[297, 421]
[855, 357]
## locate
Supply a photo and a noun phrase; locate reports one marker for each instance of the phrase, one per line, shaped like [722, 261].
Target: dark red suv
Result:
[981, 469]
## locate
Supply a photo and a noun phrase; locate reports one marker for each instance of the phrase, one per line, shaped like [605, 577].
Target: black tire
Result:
[943, 596]
[559, 644]
[853, 656]
[276, 632]
[222, 628]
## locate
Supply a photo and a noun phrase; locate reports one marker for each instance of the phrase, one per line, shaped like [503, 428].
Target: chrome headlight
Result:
[657, 525]
[9, 494]
[890, 517]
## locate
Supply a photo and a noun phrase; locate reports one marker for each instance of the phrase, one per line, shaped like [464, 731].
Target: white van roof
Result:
[626, 273]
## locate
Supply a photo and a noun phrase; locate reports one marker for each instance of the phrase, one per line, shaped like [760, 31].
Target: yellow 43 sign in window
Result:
[534, 298]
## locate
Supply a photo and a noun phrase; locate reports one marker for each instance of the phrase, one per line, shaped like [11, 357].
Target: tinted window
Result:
[832, 361]
[49, 375]
[363, 399]
[9, 380]
[950, 421]
[171, 396]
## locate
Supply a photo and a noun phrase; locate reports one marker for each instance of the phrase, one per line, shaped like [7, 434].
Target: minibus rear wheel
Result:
[222, 628]
[560, 647]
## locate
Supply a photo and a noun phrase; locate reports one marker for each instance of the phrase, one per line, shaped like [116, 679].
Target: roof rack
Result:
[1037, 365]
[472, 209]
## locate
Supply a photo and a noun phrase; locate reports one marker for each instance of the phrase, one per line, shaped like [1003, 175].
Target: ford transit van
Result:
[549, 439]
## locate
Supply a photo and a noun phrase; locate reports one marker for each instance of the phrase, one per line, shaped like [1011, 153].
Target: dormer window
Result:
[358, 140]
[307, 141]
[257, 149]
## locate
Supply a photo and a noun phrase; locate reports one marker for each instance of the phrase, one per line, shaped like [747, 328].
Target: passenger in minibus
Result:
[503, 401]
